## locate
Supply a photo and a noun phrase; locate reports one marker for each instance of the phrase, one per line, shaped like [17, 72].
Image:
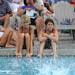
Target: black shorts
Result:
[34, 24]
[1, 23]
[48, 44]
[24, 44]
[32, 21]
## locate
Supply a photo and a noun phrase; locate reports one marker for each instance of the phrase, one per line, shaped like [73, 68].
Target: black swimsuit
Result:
[48, 44]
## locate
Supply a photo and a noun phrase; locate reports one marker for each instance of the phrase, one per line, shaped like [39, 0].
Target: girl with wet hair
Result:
[48, 38]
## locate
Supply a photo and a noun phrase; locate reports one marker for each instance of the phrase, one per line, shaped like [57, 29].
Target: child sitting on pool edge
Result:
[49, 34]
[23, 32]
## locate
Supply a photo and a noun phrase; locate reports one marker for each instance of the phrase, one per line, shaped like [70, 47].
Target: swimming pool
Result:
[64, 65]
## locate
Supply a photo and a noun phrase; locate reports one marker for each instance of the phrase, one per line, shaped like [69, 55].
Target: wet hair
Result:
[49, 20]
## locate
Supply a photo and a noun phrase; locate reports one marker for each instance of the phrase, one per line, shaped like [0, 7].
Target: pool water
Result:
[64, 65]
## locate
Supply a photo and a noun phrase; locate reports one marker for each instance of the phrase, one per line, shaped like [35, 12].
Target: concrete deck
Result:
[65, 47]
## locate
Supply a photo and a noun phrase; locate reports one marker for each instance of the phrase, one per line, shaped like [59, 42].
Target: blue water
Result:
[64, 65]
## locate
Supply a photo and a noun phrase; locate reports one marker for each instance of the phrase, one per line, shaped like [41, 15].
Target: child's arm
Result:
[53, 36]
[42, 37]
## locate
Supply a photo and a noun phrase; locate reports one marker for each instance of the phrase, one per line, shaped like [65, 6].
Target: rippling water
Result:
[64, 65]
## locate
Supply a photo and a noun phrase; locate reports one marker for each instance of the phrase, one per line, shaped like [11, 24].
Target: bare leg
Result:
[19, 43]
[31, 41]
[54, 49]
[39, 24]
[41, 48]
[6, 21]
[9, 39]
[27, 43]
[14, 38]
[5, 36]
[3, 40]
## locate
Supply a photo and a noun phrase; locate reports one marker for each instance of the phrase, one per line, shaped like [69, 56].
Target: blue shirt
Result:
[24, 7]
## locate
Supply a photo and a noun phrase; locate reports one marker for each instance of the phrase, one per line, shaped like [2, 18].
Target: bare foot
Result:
[9, 46]
[31, 54]
[28, 54]
[40, 55]
[18, 54]
[55, 56]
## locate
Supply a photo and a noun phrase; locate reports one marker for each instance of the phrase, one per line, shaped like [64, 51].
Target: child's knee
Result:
[27, 35]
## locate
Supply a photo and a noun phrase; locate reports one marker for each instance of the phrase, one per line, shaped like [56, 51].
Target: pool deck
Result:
[65, 47]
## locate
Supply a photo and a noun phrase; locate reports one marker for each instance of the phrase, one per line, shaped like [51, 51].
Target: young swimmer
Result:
[23, 32]
[49, 34]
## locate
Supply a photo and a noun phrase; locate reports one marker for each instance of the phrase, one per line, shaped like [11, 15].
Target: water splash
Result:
[38, 66]
[52, 70]
[71, 69]
[53, 67]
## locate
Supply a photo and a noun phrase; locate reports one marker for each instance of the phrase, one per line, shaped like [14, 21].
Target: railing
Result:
[67, 27]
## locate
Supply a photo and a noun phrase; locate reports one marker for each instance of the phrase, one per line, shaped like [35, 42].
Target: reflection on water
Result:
[37, 66]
